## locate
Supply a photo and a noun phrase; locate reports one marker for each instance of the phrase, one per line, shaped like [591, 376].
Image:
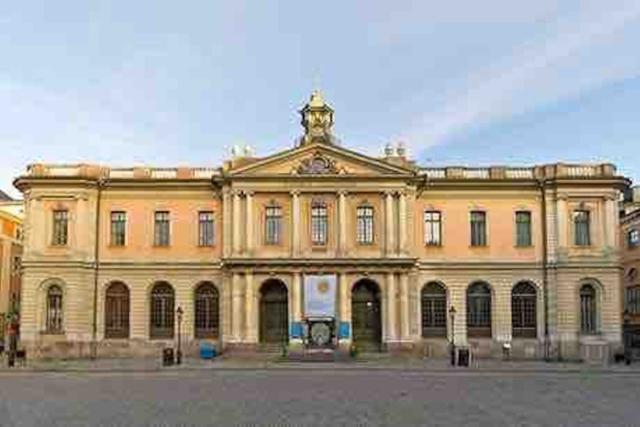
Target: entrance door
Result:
[366, 316]
[274, 312]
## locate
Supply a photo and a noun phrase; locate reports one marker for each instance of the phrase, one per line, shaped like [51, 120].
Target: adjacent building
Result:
[11, 217]
[527, 257]
[630, 236]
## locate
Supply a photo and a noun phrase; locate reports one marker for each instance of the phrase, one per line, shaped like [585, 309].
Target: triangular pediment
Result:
[320, 160]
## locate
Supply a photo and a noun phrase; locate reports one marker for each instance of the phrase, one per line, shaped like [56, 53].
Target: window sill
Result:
[112, 246]
[523, 246]
[433, 245]
[206, 246]
[52, 333]
[478, 246]
[161, 246]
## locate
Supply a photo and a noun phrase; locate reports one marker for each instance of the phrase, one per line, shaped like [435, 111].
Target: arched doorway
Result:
[366, 315]
[274, 312]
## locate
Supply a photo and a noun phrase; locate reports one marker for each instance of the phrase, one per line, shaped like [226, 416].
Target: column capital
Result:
[388, 193]
[248, 193]
[342, 193]
[295, 193]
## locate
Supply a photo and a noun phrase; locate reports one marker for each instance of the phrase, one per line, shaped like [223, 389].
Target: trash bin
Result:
[463, 357]
[506, 351]
[207, 351]
[167, 357]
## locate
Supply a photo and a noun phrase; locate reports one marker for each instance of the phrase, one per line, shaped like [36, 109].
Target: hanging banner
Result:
[320, 295]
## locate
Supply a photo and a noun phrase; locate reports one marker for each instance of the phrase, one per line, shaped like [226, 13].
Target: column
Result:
[235, 217]
[250, 232]
[345, 305]
[296, 303]
[405, 334]
[236, 308]
[390, 241]
[226, 223]
[563, 222]
[611, 222]
[250, 312]
[402, 223]
[295, 223]
[391, 308]
[342, 222]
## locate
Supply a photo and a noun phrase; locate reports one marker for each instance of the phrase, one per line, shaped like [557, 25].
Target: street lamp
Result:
[452, 315]
[179, 352]
[626, 336]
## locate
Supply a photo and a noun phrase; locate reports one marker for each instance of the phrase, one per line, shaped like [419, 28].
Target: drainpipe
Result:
[545, 272]
[96, 270]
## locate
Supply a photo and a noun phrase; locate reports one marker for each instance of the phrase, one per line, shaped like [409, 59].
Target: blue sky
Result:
[178, 83]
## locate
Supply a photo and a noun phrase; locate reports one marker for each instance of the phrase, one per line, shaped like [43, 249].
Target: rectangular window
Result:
[60, 227]
[633, 300]
[432, 228]
[161, 230]
[633, 238]
[118, 228]
[365, 225]
[206, 228]
[582, 226]
[523, 228]
[273, 225]
[478, 228]
[319, 225]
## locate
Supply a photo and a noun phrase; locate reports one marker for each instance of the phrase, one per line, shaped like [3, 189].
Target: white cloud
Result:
[556, 66]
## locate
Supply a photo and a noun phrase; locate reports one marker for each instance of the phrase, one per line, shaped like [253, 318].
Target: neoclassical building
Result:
[406, 257]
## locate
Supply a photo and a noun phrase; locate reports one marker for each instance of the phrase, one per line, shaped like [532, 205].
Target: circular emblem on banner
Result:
[320, 334]
[323, 287]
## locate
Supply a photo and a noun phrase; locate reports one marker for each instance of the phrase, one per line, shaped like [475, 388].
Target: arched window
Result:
[588, 309]
[54, 309]
[434, 310]
[162, 303]
[479, 310]
[523, 311]
[116, 311]
[207, 313]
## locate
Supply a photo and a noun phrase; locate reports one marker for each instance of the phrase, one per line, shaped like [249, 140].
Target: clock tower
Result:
[317, 120]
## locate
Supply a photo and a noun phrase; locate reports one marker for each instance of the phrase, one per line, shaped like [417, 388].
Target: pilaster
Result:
[251, 333]
[389, 223]
[236, 308]
[391, 320]
[235, 217]
[250, 232]
[295, 224]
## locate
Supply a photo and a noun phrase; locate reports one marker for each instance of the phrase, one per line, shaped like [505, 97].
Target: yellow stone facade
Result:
[397, 262]
[11, 217]
[630, 238]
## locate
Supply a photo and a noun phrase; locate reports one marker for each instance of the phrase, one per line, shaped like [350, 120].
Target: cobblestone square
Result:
[319, 397]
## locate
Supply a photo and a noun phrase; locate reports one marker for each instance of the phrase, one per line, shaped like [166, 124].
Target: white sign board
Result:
[320, 295]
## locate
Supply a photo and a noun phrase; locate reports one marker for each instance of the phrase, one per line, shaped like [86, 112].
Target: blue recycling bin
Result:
[207, 350]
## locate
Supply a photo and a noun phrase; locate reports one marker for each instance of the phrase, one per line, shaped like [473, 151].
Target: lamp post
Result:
[179, 352]
[626, 336]
[452, 315]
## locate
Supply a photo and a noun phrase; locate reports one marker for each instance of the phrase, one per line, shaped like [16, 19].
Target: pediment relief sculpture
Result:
[318, 165]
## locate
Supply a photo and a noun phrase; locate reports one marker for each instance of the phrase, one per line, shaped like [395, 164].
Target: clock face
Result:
[320, 334]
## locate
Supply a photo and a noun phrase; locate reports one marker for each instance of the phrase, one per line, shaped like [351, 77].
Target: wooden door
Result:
[274, 313]
[366, 316]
